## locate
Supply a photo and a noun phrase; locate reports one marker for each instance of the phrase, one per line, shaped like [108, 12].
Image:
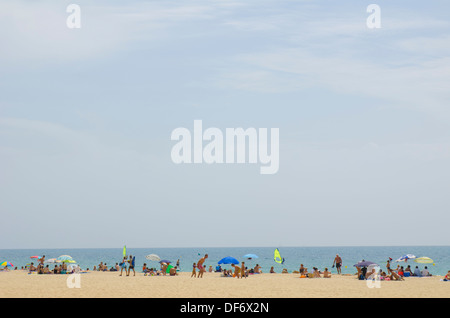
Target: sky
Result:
[86, 116]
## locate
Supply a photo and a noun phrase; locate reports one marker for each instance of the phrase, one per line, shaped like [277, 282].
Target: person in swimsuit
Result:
[131, 266]
[338, 262]
[447, 277]
[123, 265]
[194, 273]
[201, 269]
[243, 271]
[237, 270]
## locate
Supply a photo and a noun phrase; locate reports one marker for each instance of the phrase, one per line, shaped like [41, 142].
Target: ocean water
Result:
[319, 257]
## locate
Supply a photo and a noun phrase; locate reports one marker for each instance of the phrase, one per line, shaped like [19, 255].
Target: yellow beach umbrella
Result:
[424, 260]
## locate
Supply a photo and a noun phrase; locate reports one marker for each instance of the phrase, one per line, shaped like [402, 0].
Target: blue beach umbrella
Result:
[228, 260]
[250, 256]
[406, 257]
[365, 264]
[165, 261]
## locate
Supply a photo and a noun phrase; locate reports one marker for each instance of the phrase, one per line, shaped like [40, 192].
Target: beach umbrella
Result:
[6, 264]
[153, 257]
[34, 256]
[72, 261]
[250, 256]
[365, 264]
[406, 257]
[52, 260]
[423, 260]
[165, 261]
[228, 260]
[64, 258]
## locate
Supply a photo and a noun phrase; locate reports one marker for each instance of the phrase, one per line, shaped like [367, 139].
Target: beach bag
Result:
[361, 277]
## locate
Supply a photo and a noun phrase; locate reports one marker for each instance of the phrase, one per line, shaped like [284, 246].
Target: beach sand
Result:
[212, 285]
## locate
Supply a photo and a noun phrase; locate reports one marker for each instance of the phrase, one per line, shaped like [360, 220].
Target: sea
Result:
[320, 257]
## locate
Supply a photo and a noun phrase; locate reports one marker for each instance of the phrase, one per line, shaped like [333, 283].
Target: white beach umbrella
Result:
[153, 257]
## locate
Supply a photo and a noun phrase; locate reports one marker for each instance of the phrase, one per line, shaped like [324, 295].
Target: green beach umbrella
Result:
[124, 253]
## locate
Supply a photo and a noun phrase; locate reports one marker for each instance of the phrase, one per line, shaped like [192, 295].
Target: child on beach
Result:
[194, 273]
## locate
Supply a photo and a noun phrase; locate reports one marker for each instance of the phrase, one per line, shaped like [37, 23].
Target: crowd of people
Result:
[238, 270]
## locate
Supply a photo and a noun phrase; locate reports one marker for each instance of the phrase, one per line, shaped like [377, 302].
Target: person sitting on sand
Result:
[257, 269]
[371, 274]
[447, 277]
[326, 273]
[284, 271]
[395, 276]
[408, 270]
[316, 273]
[32, 268]
[425, 272]
[272, 271]
[173, 271]
[417, 272]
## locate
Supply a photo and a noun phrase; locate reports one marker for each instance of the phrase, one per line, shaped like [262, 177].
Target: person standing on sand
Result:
[123, 265]
[131, 266]
[338, 262]
[243, 271]
[237, 270]
[194, 273]
[201, 268]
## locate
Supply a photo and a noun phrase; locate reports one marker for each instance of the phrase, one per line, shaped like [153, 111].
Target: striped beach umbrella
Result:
[423, 260]
[64, 258]
[6, 264]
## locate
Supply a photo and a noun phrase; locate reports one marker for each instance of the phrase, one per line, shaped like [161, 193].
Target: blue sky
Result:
[86, 116]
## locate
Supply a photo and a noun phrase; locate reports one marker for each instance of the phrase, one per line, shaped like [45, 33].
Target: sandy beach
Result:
[109, 284]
